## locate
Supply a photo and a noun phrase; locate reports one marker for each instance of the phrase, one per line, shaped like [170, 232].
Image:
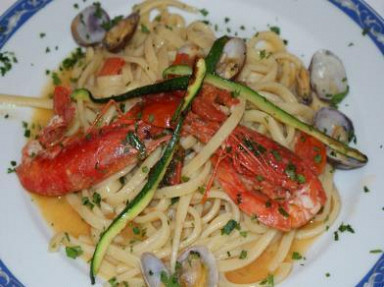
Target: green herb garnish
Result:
[275, 29]
[229, 227]
[73, 251]
[243, 254]
[204, 12]
[7, 59]
[296, 256]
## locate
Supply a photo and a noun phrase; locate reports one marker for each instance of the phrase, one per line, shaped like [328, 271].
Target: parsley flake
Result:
[296, 256]
[269, 281]
[204, 12]
[7, 59]
[243, 254]
[73, 251]
[275, 29]
[229, 227]
[144, 29]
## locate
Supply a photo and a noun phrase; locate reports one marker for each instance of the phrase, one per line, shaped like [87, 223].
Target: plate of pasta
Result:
[195, 143]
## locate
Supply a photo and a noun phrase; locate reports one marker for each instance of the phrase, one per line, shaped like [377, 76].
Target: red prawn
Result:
[55, 165]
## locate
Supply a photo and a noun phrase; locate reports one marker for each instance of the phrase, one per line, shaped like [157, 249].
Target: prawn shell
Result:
[81, 164]
[277, 201]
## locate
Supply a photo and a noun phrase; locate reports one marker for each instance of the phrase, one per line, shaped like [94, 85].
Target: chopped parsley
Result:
[112, 23]
[301, 178]
[204, 12]
[235, 94]
[114, 283]
[76, 6]
[169, 281]
[318, 158]
[346, 227]
[283, 212]
[327, 274]
[42, 35]
[174, 200]
[136, 230]
[243, 254]
[296, 256]
[376, 251]
[151, 118]
[263, 54]
[73, 251]
[201, 189]
[139, 231]
[336, 236]
[343, 228]
[27, 133]
[366, 189]
[55, 79]
[13, 167]
[275, 29]
[336, 99]
[259, 178]
[290, 170]
[7, 59]
[276, 155]
[86, 202]
[144, 29]
[73, 59]
[145, 169]
[185, 178]
[269, 281]
[226, 19]
[96, 198]
[98, 11]
[229, 227]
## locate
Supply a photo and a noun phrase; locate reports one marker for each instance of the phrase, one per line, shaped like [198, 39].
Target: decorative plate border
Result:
[7, 278]
[369, 20]
[358, 10]
[17, 15]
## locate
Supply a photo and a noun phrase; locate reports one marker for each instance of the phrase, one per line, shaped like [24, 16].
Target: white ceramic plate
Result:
[308, 25]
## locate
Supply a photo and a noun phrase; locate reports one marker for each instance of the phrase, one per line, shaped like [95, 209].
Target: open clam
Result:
[328, 76]
[120, 34]
[196, 266]
[337, 125]
[87, 27]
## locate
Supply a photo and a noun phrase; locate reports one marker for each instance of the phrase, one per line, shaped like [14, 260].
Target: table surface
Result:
[378, 5]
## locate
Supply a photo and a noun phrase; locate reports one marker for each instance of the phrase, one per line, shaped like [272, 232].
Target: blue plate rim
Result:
[371, 23]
